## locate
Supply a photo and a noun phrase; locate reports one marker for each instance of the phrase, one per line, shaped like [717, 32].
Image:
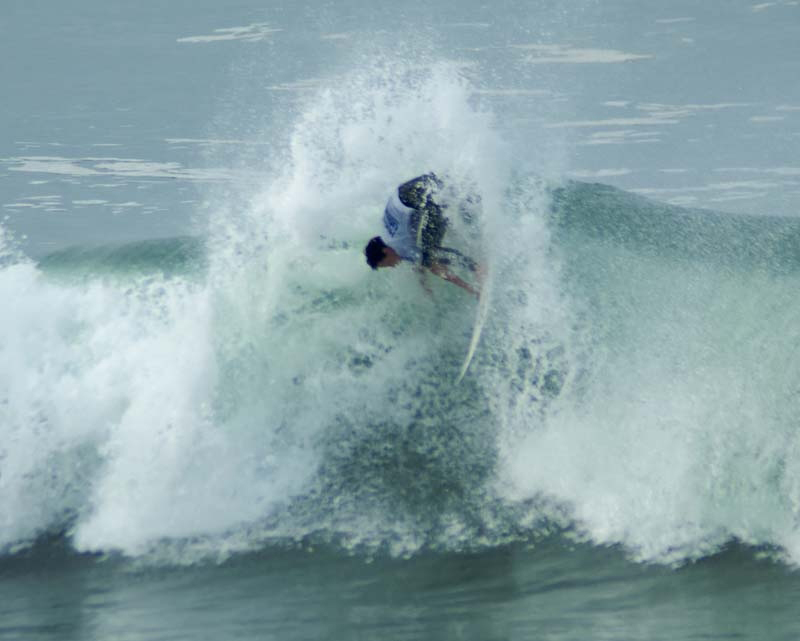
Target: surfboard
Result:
[481, 315]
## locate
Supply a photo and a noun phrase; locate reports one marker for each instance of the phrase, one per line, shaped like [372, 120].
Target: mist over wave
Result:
[270, 387]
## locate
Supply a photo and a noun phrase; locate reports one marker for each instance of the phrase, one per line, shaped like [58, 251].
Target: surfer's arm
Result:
[442, 272]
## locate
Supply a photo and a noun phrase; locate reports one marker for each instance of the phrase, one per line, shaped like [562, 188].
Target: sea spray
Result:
[285, 389]
[355, 369]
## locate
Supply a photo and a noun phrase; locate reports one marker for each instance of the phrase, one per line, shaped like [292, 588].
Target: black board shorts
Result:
[420, 194]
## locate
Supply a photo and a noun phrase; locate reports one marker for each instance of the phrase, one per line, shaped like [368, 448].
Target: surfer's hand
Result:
[442, 272]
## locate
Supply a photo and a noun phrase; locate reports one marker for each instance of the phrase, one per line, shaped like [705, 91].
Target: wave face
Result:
[682, 434]
[188, 399]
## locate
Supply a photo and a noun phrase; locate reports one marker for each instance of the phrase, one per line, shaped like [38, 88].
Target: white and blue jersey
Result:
[398, 224]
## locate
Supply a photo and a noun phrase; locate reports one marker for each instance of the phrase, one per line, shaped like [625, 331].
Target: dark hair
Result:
[375, 251]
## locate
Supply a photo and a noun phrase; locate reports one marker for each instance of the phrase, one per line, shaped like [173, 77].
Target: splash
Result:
[285, 390]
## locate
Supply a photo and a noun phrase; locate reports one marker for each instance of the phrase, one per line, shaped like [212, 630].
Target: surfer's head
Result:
[379, 254]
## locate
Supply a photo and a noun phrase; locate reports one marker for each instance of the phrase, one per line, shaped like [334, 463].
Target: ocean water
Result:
[217, 422]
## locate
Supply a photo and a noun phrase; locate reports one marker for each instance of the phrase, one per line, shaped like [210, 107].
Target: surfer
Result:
[416, 224]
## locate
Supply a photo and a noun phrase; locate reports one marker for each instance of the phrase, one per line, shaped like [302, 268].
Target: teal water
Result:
[217, 422]
[506, 593]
